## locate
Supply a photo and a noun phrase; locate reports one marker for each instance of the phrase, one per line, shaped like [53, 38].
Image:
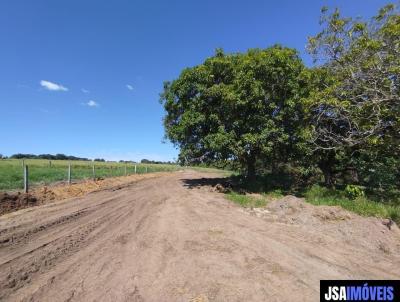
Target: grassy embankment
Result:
[253, 201]
[362, 205]
[317, 195]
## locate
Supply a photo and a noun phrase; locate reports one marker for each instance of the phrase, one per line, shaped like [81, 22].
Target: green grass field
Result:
[44, 172]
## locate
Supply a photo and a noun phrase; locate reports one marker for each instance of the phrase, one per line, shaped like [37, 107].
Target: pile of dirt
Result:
[14, 201]
[367, 232]
[294, 210]
[63, 191]
[222, 188]
[227, 187]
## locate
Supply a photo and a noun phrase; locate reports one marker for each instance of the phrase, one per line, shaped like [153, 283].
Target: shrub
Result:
[353, 191]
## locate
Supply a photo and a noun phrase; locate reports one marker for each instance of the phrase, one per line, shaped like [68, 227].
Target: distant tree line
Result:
[49, 156]
[70, 157]
[265, 111]
[147, 161]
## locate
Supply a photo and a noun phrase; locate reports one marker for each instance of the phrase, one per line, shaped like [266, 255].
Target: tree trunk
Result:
[274, 167]
[326, 165]
[251, 169]
[328, 177]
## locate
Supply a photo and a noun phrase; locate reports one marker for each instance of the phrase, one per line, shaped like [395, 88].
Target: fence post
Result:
[94, 173]
[69, 173]
[23, 163]
[26, 181]
[50, 163]
[135, 169]
[125, 169]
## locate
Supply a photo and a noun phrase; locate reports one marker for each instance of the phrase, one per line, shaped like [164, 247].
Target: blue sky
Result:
[83, 77]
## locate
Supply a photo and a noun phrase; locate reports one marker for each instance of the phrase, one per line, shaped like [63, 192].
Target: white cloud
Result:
[52, 86]
[85, 90]
[130, 87]
[92, 103]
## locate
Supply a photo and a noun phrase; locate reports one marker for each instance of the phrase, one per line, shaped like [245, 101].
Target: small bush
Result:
[353, 191]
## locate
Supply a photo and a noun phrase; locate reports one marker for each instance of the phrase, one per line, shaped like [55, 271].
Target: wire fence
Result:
[20, 174]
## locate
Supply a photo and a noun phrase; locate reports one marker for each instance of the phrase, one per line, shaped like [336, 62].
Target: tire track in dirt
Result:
[159, 240]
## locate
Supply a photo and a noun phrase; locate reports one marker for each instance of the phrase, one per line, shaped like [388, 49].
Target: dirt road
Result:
[166, 239]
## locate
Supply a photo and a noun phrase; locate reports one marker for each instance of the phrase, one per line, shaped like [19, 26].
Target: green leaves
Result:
[361, 89]
[354, 102]
[265, 106]
[235, 106]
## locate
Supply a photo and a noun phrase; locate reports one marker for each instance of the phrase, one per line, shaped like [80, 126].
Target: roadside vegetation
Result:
[329, 132]
[255, 194]
[210, 169]
[255, 200]
[247, 201]
[45, 172]
[361, 205]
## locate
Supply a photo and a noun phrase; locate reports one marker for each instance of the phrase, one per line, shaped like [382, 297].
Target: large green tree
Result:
[354, 107]
[236, 107]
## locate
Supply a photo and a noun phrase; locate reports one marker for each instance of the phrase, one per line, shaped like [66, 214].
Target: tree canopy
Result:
[265, 108]
[354, 105]
[237, 107]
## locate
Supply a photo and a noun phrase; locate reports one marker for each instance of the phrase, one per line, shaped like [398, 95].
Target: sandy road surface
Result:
[161, 240]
